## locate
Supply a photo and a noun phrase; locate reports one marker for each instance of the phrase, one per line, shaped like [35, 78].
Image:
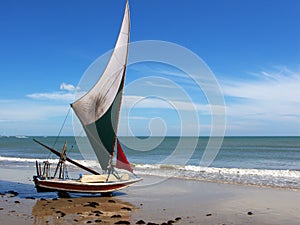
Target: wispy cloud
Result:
[282, 88]
[52, 96]
[68, 87]
[269, 102]
[38, 113]
[144, 102]
[266, 103]
[24, 110]
[66, 93]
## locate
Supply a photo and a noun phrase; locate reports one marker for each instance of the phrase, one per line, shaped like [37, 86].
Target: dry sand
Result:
[155, 200]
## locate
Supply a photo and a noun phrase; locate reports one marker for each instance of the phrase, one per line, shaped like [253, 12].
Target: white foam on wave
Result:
[90, 163]
[261, 177]
[17, 159]
[21, 136]
[245, 172]
[215, 170]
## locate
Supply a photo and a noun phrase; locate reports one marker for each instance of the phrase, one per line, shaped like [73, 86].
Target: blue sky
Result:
[252, 47]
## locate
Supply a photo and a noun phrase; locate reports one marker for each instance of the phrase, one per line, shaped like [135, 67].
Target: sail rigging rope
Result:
[56, 139]
[74, 143]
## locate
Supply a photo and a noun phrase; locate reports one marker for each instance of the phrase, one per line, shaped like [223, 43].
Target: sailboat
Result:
[98, 112]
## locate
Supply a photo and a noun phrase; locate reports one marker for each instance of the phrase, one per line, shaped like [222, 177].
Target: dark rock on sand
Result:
[209, 214]
[92, 204]
[98, 221]
[126, 208]
[112, 201]
[1, 208]
[116, 216]
[89, 221]
[250, 213]
[150, 223]
[97, 212]
[17, 202]
[140, 222]
[122, 222]
[13, 193]
[62, 214]
[177, 218]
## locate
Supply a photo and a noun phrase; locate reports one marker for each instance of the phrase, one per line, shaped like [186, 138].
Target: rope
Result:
[74, 143]
[56, 139]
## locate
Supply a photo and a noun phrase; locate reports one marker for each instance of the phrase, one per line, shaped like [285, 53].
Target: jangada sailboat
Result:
[98, 112]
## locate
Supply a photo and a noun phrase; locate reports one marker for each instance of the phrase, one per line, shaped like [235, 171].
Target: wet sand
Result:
[153, 201]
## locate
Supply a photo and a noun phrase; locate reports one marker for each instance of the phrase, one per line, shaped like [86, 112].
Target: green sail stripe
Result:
[102, 133]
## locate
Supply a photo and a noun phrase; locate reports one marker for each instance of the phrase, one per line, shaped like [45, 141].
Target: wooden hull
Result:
[43, 185]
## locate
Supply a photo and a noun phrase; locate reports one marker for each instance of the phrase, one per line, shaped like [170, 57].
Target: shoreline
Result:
[155, 200]
[273, 178]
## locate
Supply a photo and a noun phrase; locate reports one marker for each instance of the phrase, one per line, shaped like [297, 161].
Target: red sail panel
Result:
[122, 162]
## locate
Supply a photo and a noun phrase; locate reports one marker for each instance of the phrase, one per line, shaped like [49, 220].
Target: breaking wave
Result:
[260, 177]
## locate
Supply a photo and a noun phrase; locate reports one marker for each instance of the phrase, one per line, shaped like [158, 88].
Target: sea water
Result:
[262, 161]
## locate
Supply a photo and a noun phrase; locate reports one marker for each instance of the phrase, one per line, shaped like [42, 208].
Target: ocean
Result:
[260, 161]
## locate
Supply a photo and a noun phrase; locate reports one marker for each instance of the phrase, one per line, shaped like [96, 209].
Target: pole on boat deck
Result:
[67, 158]
[37, 168]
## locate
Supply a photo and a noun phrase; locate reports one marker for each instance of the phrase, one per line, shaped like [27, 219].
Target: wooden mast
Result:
[67, 158]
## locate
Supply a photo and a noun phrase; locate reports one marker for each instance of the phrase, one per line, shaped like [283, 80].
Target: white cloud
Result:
[31, 117]
[68, 87]
[24, 110]
[67, 93]
[28, 117]
[266, 105]
[53, 96]
[142, 102]
[281, 89]
[270, 104]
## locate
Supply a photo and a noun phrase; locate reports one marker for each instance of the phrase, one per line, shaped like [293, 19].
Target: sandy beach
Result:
[153, 201]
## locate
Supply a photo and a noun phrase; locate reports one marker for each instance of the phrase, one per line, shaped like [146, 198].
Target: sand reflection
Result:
[82, 210]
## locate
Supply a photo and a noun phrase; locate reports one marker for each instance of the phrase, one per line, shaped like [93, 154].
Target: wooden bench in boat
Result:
[90, 178]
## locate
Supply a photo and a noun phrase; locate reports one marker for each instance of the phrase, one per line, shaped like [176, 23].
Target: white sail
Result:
[95, 109]
[98, 112]
[98, 100]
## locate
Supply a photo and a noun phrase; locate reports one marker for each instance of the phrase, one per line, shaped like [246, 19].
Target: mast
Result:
[67, 158]
[98, 110]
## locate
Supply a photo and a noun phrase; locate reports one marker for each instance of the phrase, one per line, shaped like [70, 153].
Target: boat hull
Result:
[53, 185]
